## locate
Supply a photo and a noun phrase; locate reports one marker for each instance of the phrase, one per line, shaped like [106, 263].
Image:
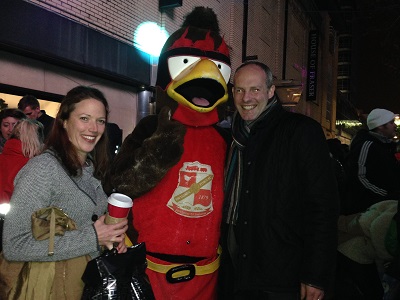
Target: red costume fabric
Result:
[11, 161]
[182, 214]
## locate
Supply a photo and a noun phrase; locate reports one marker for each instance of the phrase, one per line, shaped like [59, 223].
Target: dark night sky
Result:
[376, 56]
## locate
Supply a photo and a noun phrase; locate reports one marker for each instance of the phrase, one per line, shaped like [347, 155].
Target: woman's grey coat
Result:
[41, 183]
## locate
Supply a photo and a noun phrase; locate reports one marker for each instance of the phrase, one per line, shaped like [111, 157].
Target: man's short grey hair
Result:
[264, 67]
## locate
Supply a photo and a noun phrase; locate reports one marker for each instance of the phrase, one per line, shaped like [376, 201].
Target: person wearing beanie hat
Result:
[372, 176]
[378, 117]
[372, 168]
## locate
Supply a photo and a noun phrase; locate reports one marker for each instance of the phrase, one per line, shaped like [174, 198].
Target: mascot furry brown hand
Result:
[172, 164]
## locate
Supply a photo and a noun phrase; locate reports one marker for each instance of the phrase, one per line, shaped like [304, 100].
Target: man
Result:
[31, 108]
[372, 169]
[281, 198]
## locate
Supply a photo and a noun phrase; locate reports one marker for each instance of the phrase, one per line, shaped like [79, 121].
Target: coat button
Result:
[244, 255]
[94, 218]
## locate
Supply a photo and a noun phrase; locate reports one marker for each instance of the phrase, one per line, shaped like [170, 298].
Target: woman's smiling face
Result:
[85, 126]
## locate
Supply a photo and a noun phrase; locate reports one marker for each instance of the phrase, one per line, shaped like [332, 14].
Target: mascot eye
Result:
[224, 69]
[177, 64]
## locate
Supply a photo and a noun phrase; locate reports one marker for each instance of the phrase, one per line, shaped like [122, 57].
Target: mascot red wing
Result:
[172, 165]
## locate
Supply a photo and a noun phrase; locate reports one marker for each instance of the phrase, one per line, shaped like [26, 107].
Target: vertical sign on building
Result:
[312, 66]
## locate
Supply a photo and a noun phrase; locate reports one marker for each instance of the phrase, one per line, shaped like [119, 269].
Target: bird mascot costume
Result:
[172, 164]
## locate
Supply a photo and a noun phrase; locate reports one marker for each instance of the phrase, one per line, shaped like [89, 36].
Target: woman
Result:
[25, 142]
[8, 118]
[66, 176]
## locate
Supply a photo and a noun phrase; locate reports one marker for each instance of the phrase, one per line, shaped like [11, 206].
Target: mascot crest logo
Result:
[192, 198]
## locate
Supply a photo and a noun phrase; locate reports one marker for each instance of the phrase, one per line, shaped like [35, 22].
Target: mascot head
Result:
[194, 65]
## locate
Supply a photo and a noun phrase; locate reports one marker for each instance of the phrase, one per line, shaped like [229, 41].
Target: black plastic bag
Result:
[118, 276]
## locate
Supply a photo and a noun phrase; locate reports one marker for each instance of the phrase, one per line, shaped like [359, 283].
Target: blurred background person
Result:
[372, 178]
[114, 134]
[26, 141]
[67, 175]
[8, 118]
[372, 170]
[31, 107]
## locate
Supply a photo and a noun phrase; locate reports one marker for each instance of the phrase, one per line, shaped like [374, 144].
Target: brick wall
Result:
[297, 44]
[112, 17]
[265, 38]
[119, 19]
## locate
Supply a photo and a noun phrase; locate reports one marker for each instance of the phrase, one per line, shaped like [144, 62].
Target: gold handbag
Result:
[49, 222]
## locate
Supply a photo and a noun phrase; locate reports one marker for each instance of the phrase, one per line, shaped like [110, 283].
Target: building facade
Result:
[49, 46]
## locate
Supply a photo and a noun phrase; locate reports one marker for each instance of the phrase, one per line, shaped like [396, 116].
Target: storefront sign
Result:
[312, 66]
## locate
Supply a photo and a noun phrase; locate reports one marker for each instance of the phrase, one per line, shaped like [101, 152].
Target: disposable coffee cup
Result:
[118, 208]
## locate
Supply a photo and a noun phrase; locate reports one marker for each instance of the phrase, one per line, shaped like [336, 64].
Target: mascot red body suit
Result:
[172, 164]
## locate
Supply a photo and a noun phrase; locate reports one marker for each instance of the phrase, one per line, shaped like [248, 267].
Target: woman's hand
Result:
[121, 248]
[107, 235]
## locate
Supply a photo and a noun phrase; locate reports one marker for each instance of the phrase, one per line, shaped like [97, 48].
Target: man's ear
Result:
[271, 91]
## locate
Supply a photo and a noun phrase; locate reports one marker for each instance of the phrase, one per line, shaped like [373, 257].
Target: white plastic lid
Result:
[120, 200]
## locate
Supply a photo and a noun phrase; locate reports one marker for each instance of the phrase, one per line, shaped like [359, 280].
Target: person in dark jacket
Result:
[280, 236]
[30, 105]
[372, 169]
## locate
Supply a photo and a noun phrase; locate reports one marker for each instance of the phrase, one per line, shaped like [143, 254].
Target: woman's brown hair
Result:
[59, 142]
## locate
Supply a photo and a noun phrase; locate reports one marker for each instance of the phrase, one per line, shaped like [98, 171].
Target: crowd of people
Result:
[303, 218]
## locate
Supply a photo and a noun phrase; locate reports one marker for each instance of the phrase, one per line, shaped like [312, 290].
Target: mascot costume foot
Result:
[172, 164]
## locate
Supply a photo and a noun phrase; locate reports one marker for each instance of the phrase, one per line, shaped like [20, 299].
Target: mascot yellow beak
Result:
[200, 87]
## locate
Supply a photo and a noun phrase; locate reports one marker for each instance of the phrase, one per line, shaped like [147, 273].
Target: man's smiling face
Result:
[250, 91]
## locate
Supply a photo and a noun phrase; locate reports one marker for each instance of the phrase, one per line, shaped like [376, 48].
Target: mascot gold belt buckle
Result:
[180, 273]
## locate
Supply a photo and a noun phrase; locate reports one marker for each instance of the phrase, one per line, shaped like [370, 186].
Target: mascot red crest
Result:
[172, 164]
